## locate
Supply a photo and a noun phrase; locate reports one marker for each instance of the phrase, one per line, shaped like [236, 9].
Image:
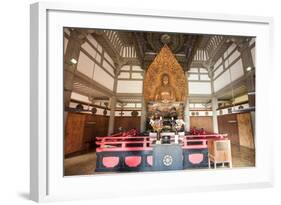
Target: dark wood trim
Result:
[127, 110]
[228, 106]
[199, 110]
[130, 79]
[102, 107]
[93, 105]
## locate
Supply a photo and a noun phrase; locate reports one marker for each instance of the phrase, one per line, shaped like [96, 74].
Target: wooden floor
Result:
[85, 164]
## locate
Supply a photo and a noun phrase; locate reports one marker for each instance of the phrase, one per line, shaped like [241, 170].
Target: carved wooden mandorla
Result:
[165, 63]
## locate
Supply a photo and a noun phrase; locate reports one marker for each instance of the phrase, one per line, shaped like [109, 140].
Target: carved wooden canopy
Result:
[165, 63]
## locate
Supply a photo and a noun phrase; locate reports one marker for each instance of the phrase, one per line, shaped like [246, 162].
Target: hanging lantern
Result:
[79, 107]
[94, 110]
[229, 110]
[134, 113]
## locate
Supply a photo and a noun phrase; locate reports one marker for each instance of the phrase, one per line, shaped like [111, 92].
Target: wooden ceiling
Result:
[191, 50]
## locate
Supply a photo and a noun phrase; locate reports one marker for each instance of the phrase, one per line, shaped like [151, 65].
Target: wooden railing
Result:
[130, 142]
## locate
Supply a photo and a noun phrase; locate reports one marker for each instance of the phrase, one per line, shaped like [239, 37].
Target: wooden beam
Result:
[91, 104]
[83, 79]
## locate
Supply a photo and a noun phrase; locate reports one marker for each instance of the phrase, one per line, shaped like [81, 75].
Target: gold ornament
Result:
[165, 63]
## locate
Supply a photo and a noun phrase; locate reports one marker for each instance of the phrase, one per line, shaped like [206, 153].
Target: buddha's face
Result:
[165, 80]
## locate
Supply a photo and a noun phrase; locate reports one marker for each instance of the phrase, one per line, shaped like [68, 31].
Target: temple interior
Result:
[156, 101]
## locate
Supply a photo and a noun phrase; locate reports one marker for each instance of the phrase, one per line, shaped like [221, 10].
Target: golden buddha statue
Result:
[165, 92]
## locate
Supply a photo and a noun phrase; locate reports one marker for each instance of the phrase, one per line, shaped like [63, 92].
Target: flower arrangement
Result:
[179, 123]
[157, 124]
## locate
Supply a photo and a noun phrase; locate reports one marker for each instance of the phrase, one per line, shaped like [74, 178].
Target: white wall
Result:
[195, 84]
[100, 71]
[79, 97]
[199, 88]
[103, 78]
[126, 86]
[222, 81]
[85, 65]
[236, 70]
[229, 69]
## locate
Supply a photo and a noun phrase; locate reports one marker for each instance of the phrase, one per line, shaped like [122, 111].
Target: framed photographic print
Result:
[128, 102]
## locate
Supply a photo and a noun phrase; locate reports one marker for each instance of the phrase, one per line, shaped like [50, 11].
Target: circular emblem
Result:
[167, 160]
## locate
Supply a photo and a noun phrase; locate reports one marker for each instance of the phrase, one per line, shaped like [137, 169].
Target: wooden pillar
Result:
[253, 121]
[76, 39]
[248, 67]
[246, 55]
[209, 66]
[187, 115]
[143, 116]
[112, 115]
[113, 101]
[186, 108]
[215, 117]
[247, 62]
[251, 89]
[143, 110]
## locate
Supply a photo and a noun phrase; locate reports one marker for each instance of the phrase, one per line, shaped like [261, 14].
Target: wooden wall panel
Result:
[96, 125]
[126, 123]
[245, 130]
[199, 122]
[74, 130]
[228, 125]
[81, 130]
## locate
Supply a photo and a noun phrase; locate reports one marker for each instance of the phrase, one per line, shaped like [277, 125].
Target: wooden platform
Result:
[85, 164]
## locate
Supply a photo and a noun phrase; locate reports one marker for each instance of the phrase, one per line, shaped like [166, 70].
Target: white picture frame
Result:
[47, 182]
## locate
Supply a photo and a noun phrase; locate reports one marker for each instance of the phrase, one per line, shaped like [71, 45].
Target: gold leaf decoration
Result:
[165, 63]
